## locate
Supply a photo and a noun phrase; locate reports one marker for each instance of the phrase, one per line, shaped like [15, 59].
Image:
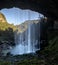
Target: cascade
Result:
[26, 41]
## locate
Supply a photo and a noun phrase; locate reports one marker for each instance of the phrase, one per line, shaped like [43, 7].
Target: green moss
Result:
[5, 63]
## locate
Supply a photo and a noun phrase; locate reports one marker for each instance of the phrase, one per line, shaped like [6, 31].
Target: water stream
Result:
[27, 41]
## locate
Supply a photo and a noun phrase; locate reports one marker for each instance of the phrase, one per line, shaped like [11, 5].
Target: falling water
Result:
[29, 39]
[26, 41]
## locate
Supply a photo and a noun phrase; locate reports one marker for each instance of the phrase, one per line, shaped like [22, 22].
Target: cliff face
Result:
[23, 27]
[26, 29]
[27, 37]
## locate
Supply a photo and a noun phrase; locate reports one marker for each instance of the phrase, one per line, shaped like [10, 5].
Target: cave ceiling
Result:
[48, 8]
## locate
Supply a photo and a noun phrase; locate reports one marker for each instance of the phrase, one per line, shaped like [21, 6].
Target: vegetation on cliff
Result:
[6, 30]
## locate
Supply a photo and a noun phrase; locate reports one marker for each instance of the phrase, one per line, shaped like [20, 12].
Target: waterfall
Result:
[27, 41]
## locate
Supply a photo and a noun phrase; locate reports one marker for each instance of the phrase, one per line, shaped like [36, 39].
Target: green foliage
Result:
[7, 32]
[33, 61]
[5, 63]
[50, 53]
[5, 25]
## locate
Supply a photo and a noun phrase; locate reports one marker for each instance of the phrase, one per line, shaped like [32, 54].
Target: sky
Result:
[17, 16]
